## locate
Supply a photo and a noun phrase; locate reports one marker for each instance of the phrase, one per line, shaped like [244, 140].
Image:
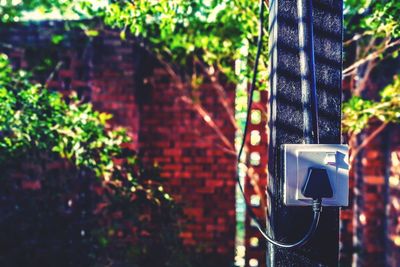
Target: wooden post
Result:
[289, 125]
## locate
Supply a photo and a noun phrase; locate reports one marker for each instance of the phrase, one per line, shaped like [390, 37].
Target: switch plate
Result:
[298, 158]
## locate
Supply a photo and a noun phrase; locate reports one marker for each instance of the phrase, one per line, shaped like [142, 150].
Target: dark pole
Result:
[291, 111]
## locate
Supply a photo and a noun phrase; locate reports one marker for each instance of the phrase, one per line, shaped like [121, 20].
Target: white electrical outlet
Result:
[298, 158]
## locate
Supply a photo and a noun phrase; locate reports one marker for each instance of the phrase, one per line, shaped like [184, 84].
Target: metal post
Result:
[289, 121]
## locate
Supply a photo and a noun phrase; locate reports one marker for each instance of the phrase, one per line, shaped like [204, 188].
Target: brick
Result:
[199, 173]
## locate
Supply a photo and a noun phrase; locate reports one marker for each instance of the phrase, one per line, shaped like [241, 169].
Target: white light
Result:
[363, 219]
[255, 158]
[255, 200]
[254, 241]
[253, 262]
[240, 251]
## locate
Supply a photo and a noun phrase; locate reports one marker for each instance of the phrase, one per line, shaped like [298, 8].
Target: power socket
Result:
[299, 158]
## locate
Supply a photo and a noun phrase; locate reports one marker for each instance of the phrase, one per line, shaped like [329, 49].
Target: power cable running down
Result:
[317, 202]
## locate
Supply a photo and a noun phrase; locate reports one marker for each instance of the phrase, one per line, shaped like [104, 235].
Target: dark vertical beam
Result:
[287, 125]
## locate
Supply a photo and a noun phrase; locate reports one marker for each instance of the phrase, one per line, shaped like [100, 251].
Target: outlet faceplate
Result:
[297, 159]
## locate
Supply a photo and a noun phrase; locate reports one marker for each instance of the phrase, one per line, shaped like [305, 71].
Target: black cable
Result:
[317, 211]
[254, 78]
[316, 202]
[313, 82]
[249, 104]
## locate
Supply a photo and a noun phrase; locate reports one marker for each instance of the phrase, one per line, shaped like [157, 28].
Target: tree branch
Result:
[366, 141]
[181, 85]
[371, 56]
[51, 76]
[356, 38]
[210, 122]
[221, 93]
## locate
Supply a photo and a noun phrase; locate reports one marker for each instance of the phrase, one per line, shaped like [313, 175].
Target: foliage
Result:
[72, 190]
[378, 18]
[219, 34]
[19, 10]
[199, 41]
[216, 32]
[358, 112]
[34, 118]
[373, 27]
[373, 30]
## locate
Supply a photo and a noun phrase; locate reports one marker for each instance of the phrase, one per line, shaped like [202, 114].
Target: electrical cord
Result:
[254, 78]
[311, 53]
[317, 207]
[317, 203]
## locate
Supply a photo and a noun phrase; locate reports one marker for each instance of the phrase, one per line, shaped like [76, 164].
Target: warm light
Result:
[253, 262]
[255, 138]
[255, 117]
[395, 158]
[255, 200]
[239, 262]
[240, 251]
[363, 219]
[396, 240]
[395, 203]
[207, 118]
[254, 241]
[255, 158]
[394, 181]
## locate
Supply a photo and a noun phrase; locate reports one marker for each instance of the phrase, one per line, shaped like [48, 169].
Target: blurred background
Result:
[120, 123]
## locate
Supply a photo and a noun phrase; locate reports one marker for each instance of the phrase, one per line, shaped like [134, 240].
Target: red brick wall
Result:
[393, 207]
[369, 203]
[201, 174]
[118, 78]
[100, 70]
[112, 84]
[369, 224]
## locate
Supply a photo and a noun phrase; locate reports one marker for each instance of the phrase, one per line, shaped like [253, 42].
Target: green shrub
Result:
[72, 192]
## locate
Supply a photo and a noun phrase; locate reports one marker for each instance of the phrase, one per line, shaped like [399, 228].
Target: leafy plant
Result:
[358, 111]
[216, 33]
[17, 11]
[371, 58]
[73, 193]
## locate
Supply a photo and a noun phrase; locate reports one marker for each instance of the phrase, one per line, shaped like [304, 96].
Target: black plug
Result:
[317, 184]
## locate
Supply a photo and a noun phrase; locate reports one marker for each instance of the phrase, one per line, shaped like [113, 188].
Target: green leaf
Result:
[57, 38]
[91, 33]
